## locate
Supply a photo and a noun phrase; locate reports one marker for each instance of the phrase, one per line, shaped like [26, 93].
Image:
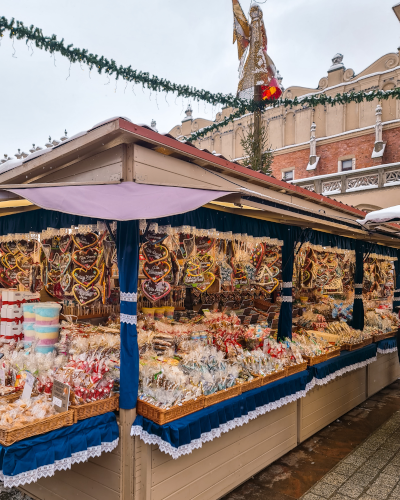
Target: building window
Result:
[288, 175]
[347, 165]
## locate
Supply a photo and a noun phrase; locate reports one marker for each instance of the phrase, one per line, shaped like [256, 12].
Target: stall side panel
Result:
[223, 464]
[324, 404]
[383, 373]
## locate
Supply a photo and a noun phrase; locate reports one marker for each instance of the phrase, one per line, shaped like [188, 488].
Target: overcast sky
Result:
[185, 41]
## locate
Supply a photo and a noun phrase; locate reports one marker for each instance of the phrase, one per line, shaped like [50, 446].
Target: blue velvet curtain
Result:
[358, 310]
[128, 266]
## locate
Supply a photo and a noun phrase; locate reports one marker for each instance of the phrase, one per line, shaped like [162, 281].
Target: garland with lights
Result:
[50, 44]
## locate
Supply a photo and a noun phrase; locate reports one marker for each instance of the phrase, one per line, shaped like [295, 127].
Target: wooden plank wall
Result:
[97, 479]
[383, 372]
[324, 404]
[221, 465]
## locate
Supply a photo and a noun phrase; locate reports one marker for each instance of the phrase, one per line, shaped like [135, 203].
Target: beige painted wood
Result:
[383, 373]
[127, 464]
[324, 404]
[221, 465]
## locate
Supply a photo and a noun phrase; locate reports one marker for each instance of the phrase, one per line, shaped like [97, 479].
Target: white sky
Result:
[186, 41]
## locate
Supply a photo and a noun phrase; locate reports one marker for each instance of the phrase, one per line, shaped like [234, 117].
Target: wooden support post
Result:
[127, 479]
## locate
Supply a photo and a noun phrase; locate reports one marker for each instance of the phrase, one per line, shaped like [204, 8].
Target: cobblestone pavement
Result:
[356, 457]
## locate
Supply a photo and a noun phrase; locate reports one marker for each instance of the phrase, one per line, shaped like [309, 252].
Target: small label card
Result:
[29, 382]
[60, 396]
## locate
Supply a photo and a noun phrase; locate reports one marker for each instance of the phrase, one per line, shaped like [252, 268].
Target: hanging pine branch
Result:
[252, 144]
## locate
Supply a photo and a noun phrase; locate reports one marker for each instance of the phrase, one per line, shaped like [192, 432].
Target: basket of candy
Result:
[99, 407]
[163, 416]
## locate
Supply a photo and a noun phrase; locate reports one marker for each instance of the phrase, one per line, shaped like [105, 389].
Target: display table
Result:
[387, 369]
[183, 436]
[387, 346]
[41, 456]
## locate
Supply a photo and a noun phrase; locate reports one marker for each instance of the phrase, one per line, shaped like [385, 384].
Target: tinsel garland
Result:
[242, 106]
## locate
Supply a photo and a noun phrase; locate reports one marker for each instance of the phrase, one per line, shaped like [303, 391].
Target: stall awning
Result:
[384, 215]
[125, 201]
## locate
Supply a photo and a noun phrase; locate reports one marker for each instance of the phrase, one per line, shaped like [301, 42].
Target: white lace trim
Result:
[287, 299]
[358, 285]
[129, 319]
[356, 296]
[128, 297]
[287, 284]
[387, 351]
[186, 449]
[33, 476]
[342, 371]
[397, 291]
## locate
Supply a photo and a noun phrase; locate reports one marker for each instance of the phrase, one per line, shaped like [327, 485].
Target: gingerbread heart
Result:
[24, 263]
[12, 275]
[9, 260]
[66, 282]
[54, 275]
[85, 258]
[154, 253]
[86, 277]
[269, 287]
[24, 279]
[156, 271]
[155, 291]
[12, 247]
[85, 295]
[85, 240]
[206, 262]
[194, 267]
[5, 280]
[257, 255]
[204, 244]
[65, 242]
[270, 258]
[26, 247]
[154, 237]
[54, 290]
[208, 280]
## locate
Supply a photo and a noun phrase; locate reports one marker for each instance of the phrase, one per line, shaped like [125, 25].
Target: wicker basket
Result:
[161, 417]
[292, 369]
[88, 410]
[249, 386]
[352, 347]
[10, 398]
[272, 377]
[219, 396]
[389, 335]
[10, 436]
[333, 353]
[314, 360]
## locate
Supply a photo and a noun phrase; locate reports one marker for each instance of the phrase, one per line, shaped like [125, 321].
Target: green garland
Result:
[242, 106]
[311, 101]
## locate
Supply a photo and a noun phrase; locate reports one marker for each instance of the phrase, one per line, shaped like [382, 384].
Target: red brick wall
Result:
[360, 147]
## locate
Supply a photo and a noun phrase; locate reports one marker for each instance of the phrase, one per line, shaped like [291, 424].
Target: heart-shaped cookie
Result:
[9, 260]
[155, 291]
[65, 242]
[269, 287]
[154, 253]
[12, 247]
[54, 275]
[5, 280]
[154, 237]
[156, 271]
[24, 263]
[26, 247]
[24, 280]
[66, 282]
[85, 240]
[208, 280]
[270, 258]
[206, 262]
[204, 244]
[84, 295]
[86, 277]
[54, 289]
[86, 258]
[12, 275]
[257, 255]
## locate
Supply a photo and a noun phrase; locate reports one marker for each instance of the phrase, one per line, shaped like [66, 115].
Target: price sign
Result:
[29, 383]
[60, 395]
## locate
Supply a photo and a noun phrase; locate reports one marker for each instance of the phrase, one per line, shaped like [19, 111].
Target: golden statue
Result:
[256, 67]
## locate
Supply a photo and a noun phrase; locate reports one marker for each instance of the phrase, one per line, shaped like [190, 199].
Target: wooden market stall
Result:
[118, 152]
